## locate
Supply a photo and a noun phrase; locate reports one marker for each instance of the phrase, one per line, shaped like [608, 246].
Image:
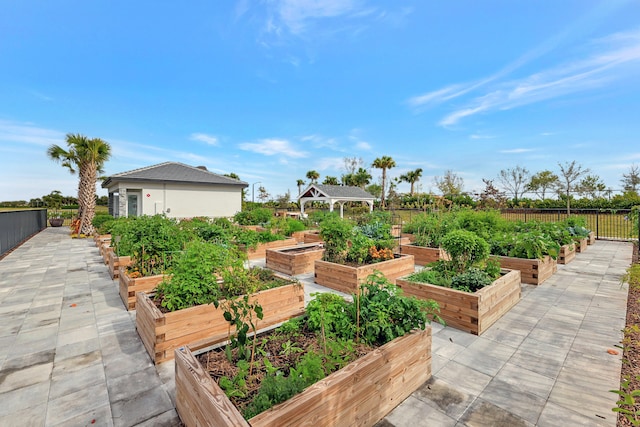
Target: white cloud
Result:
[517, 150]
[203, 137]
[12, 132]
[613, 57]
[270, 147]
[363, 145]
[480, 136]
[296, 14]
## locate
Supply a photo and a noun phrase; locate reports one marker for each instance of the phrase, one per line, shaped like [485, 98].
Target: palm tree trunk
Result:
[88, 173]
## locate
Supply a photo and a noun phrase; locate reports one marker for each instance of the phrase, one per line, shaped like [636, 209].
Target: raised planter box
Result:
[312, 236]
[347, 279]
[130, 286]
[115, 262]
[532, 271]
[99, 239]
[105, 248]
[592, 238]
[296, 260]
[471, 312]
[361, 393]
[423, 255]
[204, 325]
[298, 236]
[261, 250]
[581, 245]
[567, 253]
[411, 237]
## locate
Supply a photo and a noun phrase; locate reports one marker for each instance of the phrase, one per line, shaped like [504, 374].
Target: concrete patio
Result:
[70, 354]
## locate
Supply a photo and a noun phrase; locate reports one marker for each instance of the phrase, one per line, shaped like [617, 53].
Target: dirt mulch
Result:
[631, 343]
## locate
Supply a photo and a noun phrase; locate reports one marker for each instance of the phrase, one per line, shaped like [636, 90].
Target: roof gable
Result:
[336, 192]
[173, 172]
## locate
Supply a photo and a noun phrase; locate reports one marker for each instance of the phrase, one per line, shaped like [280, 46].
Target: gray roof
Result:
[172, 172]
[338, 192]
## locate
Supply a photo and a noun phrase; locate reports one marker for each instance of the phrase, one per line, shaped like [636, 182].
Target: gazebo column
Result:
[302, 202]
[370, 206]
[341, 209]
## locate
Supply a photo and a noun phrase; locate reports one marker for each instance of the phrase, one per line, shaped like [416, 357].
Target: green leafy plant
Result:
[465, 248]
[244, 315]
[626, 405]
[255, 216]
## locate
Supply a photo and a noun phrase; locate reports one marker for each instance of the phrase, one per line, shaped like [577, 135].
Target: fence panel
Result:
[17, 226]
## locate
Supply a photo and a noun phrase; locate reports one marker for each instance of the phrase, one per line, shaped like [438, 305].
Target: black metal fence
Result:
[608, 224]
[17, 226]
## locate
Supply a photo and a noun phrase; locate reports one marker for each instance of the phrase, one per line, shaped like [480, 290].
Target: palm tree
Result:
[330, 180]
[361, 178]
[313, 176]
[384, 163]
[412, 177]
[300, 183]
[87, 157]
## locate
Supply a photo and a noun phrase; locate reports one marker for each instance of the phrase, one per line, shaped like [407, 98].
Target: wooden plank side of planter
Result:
[347, 279]
[532, 271]
[128, 287]
[581, 245]
[115, 262]
[592, 238]
[497, 299]
[424, 255]
[261, 249]
[470, 312]
[298, 236]
[410, 236]
[312, 237]
[204, 325]
[148, 319]
[199, 400]
[567, 253]
[290, 263]
[360, 394]
[105, 248]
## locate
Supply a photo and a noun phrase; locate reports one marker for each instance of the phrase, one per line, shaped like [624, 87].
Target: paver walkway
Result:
[70, 355]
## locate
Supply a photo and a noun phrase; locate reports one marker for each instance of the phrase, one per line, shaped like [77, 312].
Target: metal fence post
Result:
[597, 224]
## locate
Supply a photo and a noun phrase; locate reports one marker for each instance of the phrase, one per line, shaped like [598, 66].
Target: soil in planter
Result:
[283, 351]
[300, 250]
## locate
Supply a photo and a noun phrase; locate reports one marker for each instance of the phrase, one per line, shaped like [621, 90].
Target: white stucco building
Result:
[174, 189]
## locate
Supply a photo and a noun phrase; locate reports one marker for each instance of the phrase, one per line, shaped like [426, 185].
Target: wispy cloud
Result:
[271, 146]
[203, 137]
[480, 136]
[12, 132]
[517, 150]
[614, 56]
[297, 15]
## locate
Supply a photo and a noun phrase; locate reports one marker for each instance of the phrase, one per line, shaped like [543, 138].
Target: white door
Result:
[132, 204]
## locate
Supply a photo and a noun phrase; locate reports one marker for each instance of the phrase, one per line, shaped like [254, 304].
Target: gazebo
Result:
[333, 194]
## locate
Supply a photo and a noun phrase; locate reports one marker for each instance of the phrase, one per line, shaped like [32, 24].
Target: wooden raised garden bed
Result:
[115, 262]
[312, 236]
[261, 250]
[296, 260]
[347, 279]
[581, 245]
[471, 312]
[299, 236]
[532, 271]
[99, 239]
[423, 255]
[592, 238]
[105, 248]
[362, 393]
[204, 325]
[567, 253]
[130, 286]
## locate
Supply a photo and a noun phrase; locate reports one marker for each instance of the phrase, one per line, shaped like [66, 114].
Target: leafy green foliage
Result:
[431, 276]
[429, 229]
[151, 241]
[244, 315]
[195, 274]
[346, 242]
[465, 248]
[471, 280]
[102, 223]
[255, 216]
[527, 245]
[626, 405]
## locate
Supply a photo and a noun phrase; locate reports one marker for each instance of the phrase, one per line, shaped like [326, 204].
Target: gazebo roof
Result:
[335, 192]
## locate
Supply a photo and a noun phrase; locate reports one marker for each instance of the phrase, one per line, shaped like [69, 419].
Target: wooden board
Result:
[204, 325]
[261, 249]
[312, 236]
[567, 254]
[471, 312]
[128, 287]
[532, 271]
[360, 394]
[115, 262]
[581, 245]
[347, 279]
[292, 261]
[423, 255]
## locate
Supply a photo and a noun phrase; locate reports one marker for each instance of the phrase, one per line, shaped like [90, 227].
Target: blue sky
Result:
[272, 89]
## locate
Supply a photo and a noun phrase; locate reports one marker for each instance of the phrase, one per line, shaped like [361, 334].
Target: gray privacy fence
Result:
[17, 226]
